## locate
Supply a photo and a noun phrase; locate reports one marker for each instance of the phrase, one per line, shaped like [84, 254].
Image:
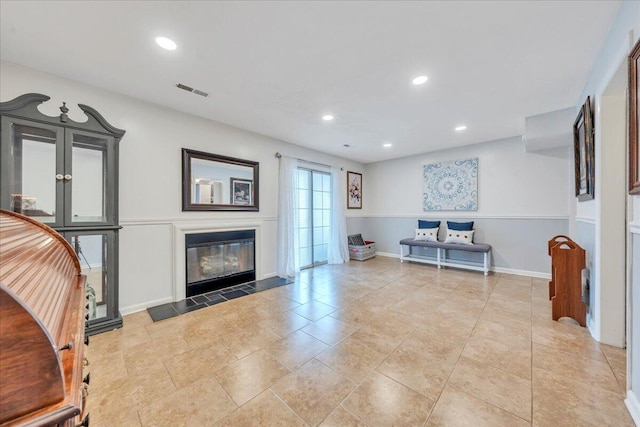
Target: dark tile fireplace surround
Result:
[219, 266]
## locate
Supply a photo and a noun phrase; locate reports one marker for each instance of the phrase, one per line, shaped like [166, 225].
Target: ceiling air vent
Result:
[192, 90]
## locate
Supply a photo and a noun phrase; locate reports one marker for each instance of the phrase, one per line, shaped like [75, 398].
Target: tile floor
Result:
[377, 343]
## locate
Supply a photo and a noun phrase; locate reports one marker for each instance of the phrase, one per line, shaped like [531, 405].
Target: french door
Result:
[314, 216]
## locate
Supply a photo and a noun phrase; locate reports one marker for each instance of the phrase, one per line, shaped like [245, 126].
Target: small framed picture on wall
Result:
[584, 153]
[354, 190]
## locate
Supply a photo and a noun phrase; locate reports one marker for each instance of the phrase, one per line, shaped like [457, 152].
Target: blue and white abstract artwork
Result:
[451, 186]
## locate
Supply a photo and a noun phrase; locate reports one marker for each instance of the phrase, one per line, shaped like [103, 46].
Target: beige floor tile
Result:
[246, 378]
[133, 392]
[118, 339]
[500, 356]
[284, 323]
[357, 316]
[140, 357]
[569, 365]
[107, 416]
[617, 358]
[313, 391]
[383, 337]
[329, 330]
[456, 408]
[106, 368]
[276, 304]
[562, 401]
[188, 367]
[208, 332]
[296, 349]
[265, 410]
[381, 401]
[140, 318]
[395, 326]
[418, 370]
[513, 337]
[507, 318]
[203, 403]
[494, 386]
[566, 338]
[352, 358]
[314, 310]
[174, 326]
[340, 417]
[443, 348]
[245, 342]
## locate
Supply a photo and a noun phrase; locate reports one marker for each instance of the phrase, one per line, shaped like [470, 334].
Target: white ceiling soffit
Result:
[276, 67]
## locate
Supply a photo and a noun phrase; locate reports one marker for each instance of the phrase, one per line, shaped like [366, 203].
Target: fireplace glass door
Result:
[218, 260]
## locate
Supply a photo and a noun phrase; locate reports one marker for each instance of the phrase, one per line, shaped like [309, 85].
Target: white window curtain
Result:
[338, 250]
[288, 261]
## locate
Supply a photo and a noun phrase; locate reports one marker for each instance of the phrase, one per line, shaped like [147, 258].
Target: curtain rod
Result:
[278, 155]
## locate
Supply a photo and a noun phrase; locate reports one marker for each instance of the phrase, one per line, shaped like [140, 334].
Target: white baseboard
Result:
[513, 271]
[527, 273]
[143, 306]
[268, 275]
[633, 406]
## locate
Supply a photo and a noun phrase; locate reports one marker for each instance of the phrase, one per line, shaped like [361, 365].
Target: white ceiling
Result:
[276, 67]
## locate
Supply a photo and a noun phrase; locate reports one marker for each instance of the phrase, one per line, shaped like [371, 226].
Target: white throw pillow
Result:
[427, 234]
[459, 236]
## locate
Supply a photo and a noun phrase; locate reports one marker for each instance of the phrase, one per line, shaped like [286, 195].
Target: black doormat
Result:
[197, 302]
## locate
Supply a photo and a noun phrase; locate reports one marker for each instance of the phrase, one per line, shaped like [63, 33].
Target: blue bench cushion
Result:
[476, 247]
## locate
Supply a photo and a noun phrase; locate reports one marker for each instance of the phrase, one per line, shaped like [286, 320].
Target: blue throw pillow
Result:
[460, 226]
[428, 224]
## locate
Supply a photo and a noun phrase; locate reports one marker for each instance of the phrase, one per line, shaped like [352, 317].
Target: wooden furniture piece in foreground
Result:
[554, 241]
[42, 322]
[565, 288]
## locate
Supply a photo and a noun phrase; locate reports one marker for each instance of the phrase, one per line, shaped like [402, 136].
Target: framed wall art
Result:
[584, 153]
[634, 121]
[354, 190]
[241, 191]
[451, 186]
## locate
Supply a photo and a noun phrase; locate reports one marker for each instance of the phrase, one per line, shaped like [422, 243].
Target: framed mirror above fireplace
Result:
[211, 182]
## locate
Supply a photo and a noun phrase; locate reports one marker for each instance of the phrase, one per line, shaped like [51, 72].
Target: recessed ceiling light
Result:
[327, 117]
[461, 128]
[420, 80]
[166, 43]
[388, 145]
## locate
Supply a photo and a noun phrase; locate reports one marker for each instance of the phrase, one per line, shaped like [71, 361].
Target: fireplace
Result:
[218, 260]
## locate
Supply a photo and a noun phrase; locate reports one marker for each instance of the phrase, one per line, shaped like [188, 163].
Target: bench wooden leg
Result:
[402, 254]
[438, 257]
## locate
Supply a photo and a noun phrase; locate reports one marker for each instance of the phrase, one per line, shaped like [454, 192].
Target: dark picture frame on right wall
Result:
[584, 153]
[634, 121]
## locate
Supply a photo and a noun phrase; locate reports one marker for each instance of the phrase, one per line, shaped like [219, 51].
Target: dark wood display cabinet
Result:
[64, 174]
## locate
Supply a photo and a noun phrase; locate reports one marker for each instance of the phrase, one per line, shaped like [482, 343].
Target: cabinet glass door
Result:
[90, 157]
[32, 170]
[95, 251]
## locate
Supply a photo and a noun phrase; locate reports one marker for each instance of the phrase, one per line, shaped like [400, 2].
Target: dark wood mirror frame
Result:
[634, 121]
[188, 204]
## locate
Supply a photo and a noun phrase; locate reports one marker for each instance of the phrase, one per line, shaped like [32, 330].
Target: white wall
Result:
[150, 176]
[511, 182]
[625, 31]
[522, 201]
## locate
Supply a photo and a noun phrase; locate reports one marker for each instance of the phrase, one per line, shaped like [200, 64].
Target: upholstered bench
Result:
[441, 254]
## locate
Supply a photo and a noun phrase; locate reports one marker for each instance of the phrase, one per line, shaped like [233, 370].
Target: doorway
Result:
[314, 216]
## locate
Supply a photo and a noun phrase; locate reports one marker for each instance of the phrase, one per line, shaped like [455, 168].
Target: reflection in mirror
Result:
[212, 182]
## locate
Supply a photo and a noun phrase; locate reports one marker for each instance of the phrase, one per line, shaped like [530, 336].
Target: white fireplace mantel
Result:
[179, 248]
